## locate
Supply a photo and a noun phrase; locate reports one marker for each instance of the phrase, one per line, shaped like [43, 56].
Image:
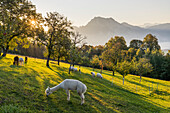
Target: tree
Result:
[112, 51]
[15, 21]
[62, 48]
[58, 27]
[95, 61]
[160, 64]
[165, 68]
[139, 53]
[86, 52]
[116, 41]
[150, 42]
[77, 39]
[142, 67]
[131, 53]
[98, 50]
[123, 68]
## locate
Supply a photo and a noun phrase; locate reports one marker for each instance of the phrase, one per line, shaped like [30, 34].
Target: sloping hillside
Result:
[22, 89]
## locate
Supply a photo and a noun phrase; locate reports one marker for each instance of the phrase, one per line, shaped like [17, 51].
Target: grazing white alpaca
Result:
[21, 61]
[93, 74]
[99, 75]
[71, 68]
[69, 84]
[74, 69]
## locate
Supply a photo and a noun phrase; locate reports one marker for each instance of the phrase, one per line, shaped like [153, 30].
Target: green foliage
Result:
[123, 68]
[95, 61]
[150, 42]
[160, 64]
[56, 38]
[15, 21]
[142, 66]
[116, 41]
[75, 54]
[136, 44]
[113, 51]
[15, 43]
[139, 53]
[61, 50]
[131, 53]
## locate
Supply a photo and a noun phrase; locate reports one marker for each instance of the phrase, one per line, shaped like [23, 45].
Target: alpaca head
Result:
[48, 91]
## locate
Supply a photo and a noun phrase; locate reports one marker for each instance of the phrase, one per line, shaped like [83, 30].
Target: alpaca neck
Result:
[55, 88]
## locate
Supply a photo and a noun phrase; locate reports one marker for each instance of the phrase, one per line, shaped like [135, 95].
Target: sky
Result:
[134, 12]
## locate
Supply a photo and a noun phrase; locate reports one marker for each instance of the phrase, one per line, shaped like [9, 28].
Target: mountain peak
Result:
[103, 18]
[100, 21]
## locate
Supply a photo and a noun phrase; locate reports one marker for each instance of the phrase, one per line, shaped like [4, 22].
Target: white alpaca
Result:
[21, 61]
[69, 84]
[71, 68]
[93, 74]
[74, 69]
[99, 75]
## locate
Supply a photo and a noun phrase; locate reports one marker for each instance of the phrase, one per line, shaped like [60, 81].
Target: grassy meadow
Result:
[22, 90]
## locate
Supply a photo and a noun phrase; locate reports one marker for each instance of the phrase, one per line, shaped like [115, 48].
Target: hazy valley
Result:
[99, 30]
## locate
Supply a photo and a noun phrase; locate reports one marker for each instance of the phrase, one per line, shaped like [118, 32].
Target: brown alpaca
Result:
[16, 59]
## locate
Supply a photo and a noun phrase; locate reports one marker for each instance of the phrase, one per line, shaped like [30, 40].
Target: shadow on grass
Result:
[1, 57]
[15, 66]
[156, 82]
[162, 93]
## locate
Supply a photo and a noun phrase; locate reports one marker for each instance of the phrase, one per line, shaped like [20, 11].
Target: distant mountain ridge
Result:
[99, 30]
[165, 26]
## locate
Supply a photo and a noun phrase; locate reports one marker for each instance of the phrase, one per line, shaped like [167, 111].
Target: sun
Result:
[33, 22]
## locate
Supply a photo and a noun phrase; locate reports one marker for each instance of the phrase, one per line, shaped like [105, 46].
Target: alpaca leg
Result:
[82, 99]
[68, 95]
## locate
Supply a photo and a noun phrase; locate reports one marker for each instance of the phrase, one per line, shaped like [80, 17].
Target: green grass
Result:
[22, 89]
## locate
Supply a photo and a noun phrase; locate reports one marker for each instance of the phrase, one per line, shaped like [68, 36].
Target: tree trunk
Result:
[140, 78]
[58, 60]
[69, 69]
[79, 69]
[113, 73]
[101, 69]
[48, 59]
[123, 79]
[5, 51]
